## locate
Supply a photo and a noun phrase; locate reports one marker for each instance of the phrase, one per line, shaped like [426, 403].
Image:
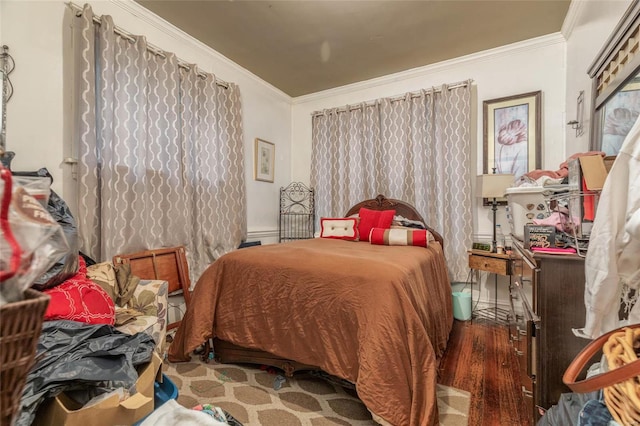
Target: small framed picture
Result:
[264, 160]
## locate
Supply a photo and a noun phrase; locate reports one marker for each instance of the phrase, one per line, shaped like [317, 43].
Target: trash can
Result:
[462, 305]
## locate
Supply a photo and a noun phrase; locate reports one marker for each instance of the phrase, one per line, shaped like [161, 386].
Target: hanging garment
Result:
[612, 266]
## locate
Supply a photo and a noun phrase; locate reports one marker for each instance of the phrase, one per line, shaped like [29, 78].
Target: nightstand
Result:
[497, 264]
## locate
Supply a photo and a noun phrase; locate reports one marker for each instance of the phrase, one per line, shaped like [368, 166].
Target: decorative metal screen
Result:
[297, 213]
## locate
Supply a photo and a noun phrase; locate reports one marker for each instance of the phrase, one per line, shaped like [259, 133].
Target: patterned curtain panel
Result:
[160, 150]
[416, 149]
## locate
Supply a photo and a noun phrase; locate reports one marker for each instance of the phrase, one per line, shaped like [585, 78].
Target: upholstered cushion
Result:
[340, 228]
[399, 237]
[149, 324]
[373, 219]
[150, 299]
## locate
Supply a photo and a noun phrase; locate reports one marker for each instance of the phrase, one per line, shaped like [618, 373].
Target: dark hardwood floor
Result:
[481, 360]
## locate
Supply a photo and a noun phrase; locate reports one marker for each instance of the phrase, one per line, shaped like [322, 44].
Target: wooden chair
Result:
[169, 264]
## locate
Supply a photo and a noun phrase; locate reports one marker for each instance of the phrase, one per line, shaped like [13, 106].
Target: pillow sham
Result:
[399, 237]
[344, 228]
[373, 219]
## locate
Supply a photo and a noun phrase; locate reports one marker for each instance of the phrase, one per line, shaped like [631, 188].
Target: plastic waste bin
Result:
[462, 305]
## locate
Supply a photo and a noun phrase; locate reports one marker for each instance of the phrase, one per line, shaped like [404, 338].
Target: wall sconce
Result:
[577, 123]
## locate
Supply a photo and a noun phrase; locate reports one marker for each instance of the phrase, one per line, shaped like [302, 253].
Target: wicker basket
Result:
[20, 328]
[621, 381]
[623, 398]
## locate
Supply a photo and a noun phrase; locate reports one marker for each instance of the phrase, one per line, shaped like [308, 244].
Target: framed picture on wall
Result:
[264, 160]
[618, 115]
[512, 134]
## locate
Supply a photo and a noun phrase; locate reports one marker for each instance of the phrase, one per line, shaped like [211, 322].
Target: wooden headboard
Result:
[401, 208]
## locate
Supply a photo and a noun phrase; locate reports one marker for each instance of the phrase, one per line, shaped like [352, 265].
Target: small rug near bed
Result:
[248, 393]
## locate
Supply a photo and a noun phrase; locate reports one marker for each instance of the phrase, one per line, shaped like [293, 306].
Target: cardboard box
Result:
[593, 168]
[584, 201]
[64, 411]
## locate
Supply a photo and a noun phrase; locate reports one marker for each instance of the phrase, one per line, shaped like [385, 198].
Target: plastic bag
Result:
[29, 233]
[67, 266]
[39, 187]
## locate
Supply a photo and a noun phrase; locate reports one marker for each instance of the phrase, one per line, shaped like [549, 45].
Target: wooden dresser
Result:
[547, 301]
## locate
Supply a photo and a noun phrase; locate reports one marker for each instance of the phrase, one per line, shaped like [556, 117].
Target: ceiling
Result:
[303, 47]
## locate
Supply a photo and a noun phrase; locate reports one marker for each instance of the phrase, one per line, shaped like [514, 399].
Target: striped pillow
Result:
[399, 237]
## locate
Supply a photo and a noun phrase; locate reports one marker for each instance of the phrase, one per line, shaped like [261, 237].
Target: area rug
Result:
[256, 395]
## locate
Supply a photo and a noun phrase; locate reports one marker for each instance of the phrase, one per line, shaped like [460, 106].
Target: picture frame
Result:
[512, 135]
[616, 117]
[264, 160]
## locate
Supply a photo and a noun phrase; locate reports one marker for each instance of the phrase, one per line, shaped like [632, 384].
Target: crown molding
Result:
[506, 50]
[157, 22]
[571, 18]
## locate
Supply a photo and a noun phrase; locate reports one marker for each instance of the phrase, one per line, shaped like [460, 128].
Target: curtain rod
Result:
[150, 47]
[397, 98]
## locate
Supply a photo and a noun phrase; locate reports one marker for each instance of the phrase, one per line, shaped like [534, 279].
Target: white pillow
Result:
[345, 228]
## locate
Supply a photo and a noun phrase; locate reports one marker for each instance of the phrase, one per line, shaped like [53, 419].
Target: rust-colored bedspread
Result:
[378, 316]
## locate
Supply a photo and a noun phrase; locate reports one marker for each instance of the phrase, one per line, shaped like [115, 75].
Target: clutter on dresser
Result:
[564, 201]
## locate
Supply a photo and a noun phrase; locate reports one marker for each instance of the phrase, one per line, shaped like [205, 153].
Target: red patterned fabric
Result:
[373, 219]
[80, 299]
[400, 237]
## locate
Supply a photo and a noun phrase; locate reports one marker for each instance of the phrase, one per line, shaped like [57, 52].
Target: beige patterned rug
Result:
[248, 393]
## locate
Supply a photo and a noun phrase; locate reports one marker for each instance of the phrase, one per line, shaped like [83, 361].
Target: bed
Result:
[378, 316]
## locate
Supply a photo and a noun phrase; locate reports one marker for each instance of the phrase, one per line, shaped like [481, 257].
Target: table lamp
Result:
[493, 186]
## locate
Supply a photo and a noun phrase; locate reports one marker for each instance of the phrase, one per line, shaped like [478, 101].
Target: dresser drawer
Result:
[489, 264]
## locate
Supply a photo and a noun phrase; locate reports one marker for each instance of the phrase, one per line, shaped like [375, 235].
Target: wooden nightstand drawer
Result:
[489, 264]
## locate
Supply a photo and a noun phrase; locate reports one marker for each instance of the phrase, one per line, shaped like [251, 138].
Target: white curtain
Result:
[416, 149]
[160, 150]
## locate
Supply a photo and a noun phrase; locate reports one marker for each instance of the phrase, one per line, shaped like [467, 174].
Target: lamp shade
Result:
[493, 186]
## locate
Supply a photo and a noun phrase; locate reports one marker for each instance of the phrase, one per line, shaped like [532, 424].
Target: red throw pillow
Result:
[80, 299]
[373, 219]
[400, 237]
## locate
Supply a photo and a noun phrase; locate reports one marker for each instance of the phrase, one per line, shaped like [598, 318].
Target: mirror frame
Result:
[610, 73]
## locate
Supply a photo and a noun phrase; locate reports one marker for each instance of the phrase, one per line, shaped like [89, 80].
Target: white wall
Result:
[587, 27]
[33, 30]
